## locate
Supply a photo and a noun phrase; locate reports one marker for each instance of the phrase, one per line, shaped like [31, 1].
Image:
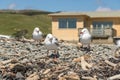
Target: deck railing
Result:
[102, 32]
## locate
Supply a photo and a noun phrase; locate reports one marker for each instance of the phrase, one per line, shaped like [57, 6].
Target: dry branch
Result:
[33, 76]
[86, 57]
[114, 77]
[77, 59]
[6, 61]
[62, 78]
[59, 71]
[46, 71]
[88, 78]
[72, 77]
[84, 64]
[110, 63]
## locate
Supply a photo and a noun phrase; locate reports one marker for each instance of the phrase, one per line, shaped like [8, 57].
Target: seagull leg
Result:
[47, 52]
[82, 48]
[35, 42]
[89, 46]
[56, 56]
[38, 42]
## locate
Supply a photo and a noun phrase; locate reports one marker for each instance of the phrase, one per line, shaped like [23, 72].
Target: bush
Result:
[19, 34]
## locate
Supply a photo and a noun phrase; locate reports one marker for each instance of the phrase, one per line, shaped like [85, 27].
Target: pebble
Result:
[32, 53]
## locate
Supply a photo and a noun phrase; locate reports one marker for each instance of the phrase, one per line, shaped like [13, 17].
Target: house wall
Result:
[82, 21]
[117, 27]
[67, 34]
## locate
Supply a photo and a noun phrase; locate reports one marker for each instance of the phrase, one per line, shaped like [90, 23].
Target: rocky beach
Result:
[26, 60]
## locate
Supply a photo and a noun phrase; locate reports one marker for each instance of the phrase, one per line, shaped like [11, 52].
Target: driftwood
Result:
[33, 76]
[11, 66]
[86, 57]
[114, 77]
[69, 76]
[61, 75]
[43, 68]
[84, 64]
[2, 67]
[7, 61]
[27, 40]
[62, 70]
[16, 55]
[46, 71]
[110, 63]
[89, 78]
[72, 76]
[77, 59]
[62, 78]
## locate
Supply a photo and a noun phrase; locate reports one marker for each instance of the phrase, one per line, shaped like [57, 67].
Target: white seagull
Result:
[118, 43]
[37, 34]
[85, 37]
[51, 43]
[116, 51]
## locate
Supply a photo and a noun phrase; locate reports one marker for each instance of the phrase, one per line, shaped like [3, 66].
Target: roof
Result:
[90, 14]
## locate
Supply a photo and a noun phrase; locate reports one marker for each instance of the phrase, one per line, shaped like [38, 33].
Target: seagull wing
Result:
[118, 43]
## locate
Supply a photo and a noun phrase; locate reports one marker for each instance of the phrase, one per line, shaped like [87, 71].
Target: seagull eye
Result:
[56, 39]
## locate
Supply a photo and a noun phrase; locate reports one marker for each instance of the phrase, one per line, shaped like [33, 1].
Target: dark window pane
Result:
[99, 25]
[62, 23]
[72, 23]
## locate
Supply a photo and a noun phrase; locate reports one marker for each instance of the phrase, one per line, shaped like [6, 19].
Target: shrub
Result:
[19, 34]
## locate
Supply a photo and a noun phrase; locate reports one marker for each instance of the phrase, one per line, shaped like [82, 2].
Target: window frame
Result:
[69, 22]
[99, 24]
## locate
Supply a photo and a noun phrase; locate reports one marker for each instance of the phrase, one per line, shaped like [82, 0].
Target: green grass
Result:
[10, 23]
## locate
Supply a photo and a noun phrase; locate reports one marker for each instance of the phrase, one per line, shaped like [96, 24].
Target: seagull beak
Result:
[81, 32]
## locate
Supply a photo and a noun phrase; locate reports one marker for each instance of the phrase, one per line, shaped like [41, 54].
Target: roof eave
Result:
[60, 15]
[107, 17]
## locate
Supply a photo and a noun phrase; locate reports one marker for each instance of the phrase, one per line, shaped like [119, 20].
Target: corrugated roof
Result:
[90, 14]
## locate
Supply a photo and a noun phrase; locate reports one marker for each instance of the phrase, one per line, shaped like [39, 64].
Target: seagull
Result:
[85, 37]
[117, 48]
[51, 43]
[37, 34]
[118, 43]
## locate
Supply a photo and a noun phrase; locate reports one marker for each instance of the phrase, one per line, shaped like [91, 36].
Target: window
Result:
[102, 25]
[99, 28]
[67, 23]
[62, 23]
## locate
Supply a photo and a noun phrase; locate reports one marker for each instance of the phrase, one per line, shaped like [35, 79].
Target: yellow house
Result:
[66, 25]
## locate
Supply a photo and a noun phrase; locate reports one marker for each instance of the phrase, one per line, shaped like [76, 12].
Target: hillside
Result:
[15, 20]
